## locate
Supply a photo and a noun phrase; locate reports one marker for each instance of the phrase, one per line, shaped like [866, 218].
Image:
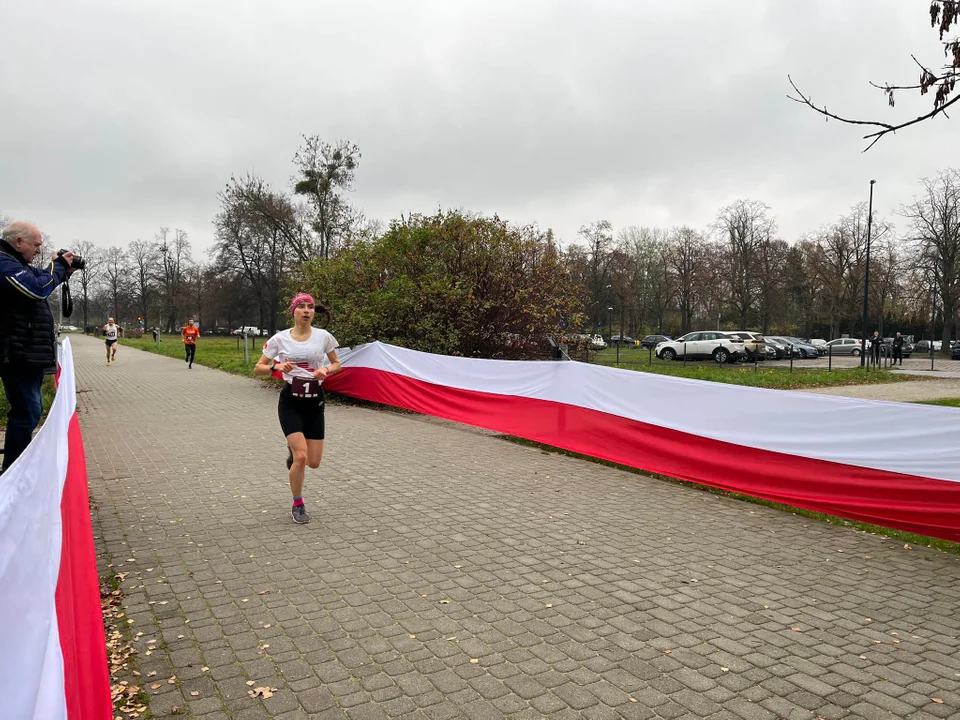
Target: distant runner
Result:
[299, 354]
[190, 334]
[111, 334]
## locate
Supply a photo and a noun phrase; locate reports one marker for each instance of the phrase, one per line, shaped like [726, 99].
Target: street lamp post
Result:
[866, 280]
[610, 323]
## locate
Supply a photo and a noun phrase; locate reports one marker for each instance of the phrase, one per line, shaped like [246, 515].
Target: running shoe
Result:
[299, 513]
[289, 457]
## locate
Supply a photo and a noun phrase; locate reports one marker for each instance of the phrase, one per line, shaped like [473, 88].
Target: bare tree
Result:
[685, 257]
[935, 232]
[254, 230]
[743, 227]
[113, 280]
[598, 237]
[943, 15]
[175, 259]
[325, 173]
[144, 263]
[90, 275]
[771, 281]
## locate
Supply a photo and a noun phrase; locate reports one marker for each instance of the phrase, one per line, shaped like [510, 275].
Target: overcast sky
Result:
[120, 116]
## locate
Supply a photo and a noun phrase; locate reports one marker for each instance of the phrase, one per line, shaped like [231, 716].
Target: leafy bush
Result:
[453, 284]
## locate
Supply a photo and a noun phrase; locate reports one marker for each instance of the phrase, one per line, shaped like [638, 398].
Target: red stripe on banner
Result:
[915, 504]
[79, 614]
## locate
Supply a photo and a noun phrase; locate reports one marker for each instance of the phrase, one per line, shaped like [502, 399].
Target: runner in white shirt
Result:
[305, 355]
[111, 334]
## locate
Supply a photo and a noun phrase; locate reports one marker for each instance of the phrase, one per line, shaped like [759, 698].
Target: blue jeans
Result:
[26, 406]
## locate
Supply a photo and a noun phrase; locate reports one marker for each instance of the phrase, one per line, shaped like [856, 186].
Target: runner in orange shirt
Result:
[190, 334]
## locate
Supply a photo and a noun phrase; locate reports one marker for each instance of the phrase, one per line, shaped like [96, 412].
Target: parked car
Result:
[719, 346]
[597, 343]
[819, 343]
[651, 341]
[806, 349]
[753, 344]
[905, 351]
[781, 348]
[922, 347]
[246, 329]
[845, 346]
[621, 340]
[955, 352]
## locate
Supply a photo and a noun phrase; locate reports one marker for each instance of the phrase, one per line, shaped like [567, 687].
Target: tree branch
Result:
[885, 127]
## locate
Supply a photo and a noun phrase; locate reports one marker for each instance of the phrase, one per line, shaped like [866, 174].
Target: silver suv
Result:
[719, 346]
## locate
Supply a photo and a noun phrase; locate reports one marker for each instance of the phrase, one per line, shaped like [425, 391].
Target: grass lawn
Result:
[221, 353]
[780, 378]
[945, 402]
[48, 393]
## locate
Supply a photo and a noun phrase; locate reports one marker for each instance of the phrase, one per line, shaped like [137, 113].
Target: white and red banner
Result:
[53, 657]
[890, 464]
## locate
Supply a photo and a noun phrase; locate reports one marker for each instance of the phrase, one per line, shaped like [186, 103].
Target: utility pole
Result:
[866, 281]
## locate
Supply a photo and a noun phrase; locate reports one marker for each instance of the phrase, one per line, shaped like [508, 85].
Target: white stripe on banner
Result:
[31, 664]
[897, 437]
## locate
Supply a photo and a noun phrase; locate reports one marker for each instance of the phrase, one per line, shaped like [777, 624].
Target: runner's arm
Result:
[334, 367]
[263, 366]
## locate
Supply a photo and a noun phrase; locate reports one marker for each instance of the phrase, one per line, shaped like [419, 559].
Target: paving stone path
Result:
[451, 574]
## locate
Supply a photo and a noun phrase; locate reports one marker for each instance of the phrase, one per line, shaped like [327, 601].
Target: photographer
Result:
[27, 332]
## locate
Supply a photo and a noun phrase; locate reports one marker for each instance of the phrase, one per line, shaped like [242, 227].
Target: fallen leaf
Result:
[172, 680]
[411, 636]
[938, 701]
[863, 657]
[458, 566]
[633, 699]
[797, 630]
[444, 602]
[204, 669]
[155, 686]
[268, 625]
[907, 547]
[549, 605]
[667, 652]
[194, 693]
[723, 669]
[474, 661]
[251, 682]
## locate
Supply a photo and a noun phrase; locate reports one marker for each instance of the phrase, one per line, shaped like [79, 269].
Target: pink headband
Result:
[300, 298]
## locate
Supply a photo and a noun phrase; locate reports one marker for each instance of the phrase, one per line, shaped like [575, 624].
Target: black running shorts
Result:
[110, 342]
[301, 415]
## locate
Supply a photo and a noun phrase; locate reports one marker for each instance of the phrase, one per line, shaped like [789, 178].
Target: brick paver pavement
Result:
[450, 574]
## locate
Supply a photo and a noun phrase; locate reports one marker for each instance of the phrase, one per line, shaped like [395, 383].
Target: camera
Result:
[78, 263]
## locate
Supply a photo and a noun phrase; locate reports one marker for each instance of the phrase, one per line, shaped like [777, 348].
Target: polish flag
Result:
[53, 663]
[890, 464]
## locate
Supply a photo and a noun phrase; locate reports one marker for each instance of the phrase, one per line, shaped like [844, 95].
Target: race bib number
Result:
[305, 388]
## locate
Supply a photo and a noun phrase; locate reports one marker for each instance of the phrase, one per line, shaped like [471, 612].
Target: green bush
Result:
[452, 284]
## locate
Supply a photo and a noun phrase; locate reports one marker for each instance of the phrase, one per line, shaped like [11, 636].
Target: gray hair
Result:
[18, 230]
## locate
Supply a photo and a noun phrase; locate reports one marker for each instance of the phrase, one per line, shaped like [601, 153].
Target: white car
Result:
[246, 329]
[598, 343]
[709, 344]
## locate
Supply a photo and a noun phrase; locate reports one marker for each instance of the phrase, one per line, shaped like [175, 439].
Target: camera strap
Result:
[66, 300]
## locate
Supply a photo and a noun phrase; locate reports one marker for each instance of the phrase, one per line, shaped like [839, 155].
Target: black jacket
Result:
[898, 343]
[27, 332]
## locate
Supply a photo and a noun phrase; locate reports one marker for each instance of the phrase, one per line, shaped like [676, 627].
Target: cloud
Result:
[120, 117]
